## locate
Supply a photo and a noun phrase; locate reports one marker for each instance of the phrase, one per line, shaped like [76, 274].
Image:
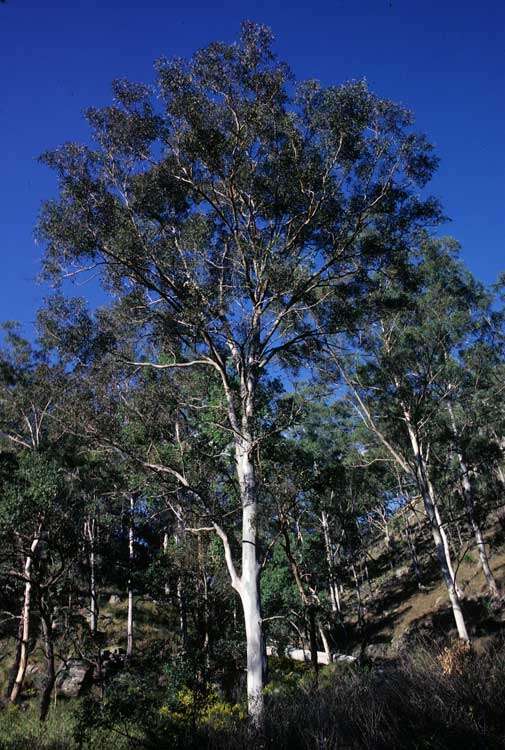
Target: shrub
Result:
[426, 700]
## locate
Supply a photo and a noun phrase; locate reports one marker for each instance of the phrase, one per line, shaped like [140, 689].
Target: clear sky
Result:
[444, 60]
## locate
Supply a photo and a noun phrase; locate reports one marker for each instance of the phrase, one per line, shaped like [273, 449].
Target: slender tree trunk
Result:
[47, 632]
[311, 611]
[430, 506]
[92, 586]
[205, 598]
[25, 619]
[183, 617]
[484, 560]
[500, 473]
[325, 643]
[165, 550]
[250, 591]
[129, 626]
[441, 530]
[308, 601]
[367, 576]
[90, 528]
[468, 495]
[181, 602]
[334, 593]
[469, 498]
[387, 535]
[248, 584]
[361, 619]
[438, 533]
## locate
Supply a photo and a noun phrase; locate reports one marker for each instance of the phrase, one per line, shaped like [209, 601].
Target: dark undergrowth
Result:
[447, 701]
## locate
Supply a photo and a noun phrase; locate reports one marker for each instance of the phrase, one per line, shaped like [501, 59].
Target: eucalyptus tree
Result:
[237, 217]
[324, 490]
[34, 498]
[412, 370]
[478, 398]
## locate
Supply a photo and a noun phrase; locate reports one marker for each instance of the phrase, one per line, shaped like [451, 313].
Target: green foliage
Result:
[246, 230]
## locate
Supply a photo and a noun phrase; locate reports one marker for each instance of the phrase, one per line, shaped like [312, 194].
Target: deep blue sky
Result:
[444, 60]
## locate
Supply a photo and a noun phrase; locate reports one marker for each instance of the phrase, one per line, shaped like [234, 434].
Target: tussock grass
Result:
[426, 700]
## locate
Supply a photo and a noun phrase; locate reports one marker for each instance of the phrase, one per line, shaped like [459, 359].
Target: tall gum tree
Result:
[226, 206]
[27, 393]
[416, 359]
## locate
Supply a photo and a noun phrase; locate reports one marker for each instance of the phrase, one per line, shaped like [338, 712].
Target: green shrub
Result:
[424, 701]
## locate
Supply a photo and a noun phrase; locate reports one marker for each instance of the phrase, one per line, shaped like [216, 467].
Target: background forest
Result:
[254, 498]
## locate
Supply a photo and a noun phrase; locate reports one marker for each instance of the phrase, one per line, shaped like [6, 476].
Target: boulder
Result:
[377, 650]
[34, 677]
[73, 678]
[344, 658]
[114, 599]
[112, 661]
[402, 572]
[299, 654]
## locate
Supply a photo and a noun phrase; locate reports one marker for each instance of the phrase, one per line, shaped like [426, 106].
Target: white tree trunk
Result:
[334, 594]
[501, 475]
[441, 531]
[25, 616]
[468, 495]
[89, 530]
[249, 585]
[129, 625]
[479, 541]
[92, 583]
[361, 619]
[326, 645]
[165, 550]
[437, 530]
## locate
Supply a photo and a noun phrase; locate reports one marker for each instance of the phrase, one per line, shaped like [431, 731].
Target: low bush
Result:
[425, 700]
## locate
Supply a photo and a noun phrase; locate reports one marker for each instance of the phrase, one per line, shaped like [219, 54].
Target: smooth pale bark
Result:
[469, 498]
[249, 588]
[367, 576]
[499, 470]
[429, 501]
[326, 644]
[501, 475]
[205, 597]
[468, 495]
[50, 676]
[183, 618]
[313, 639]
[129, 624]
[165, 550]
[333, 583]
[247, 584]
[25, 619]
[437, 530]
[181, 600]
[309, 601]
[361, 619]
[90, 532]
[442, 532]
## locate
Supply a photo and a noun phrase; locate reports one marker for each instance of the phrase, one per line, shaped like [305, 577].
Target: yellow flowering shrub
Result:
[213, 712]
